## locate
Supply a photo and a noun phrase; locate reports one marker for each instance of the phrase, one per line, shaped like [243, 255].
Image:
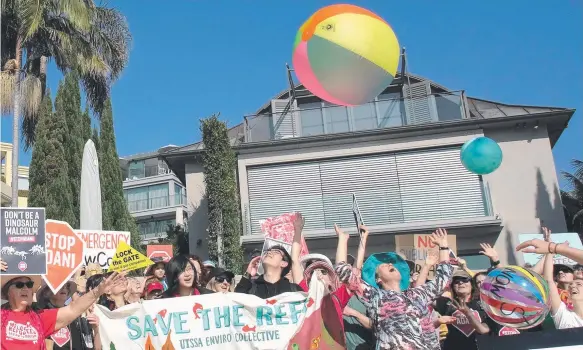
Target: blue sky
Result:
[192, 58]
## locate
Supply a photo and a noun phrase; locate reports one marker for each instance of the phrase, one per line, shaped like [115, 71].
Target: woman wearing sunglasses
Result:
[462, 314]
[221, 281]
[25, 327]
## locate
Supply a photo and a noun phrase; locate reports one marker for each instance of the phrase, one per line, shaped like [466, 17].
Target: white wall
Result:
[197, 209]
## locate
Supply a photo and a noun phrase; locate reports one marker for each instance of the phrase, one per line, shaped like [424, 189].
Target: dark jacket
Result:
[263, 289]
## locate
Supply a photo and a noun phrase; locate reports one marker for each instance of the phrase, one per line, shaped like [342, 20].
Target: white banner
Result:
[222, 321]
[100, 246]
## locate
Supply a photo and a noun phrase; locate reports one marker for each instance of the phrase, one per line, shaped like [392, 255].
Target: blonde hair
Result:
[212, 283]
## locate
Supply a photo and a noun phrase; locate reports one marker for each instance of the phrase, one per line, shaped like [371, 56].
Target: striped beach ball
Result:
[345, 54]
[515, 297]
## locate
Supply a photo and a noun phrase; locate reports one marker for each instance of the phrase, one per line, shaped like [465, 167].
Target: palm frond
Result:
[7, 83]
[110, 37]
[30, 15]
[77, 12]
[28, 132]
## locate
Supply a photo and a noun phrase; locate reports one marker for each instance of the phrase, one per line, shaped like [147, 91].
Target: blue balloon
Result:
[481, 155]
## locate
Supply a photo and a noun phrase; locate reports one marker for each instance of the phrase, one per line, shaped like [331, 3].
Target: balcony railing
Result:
[156, 203]
[385, 112]
[146, 171]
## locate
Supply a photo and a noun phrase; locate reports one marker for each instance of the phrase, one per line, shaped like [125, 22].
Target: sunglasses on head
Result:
[20, 285]
[222, 279]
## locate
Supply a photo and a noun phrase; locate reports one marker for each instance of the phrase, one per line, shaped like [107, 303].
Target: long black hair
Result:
[174, 268]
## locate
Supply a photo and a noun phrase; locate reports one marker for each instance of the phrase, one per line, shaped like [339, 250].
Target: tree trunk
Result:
[15, 123]
[43, 74]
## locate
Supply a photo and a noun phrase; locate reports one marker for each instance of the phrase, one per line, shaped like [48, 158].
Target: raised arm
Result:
[296, 268]
[491, 253]
[554, 295]
[245, 284]
[342, 247]
[539, 246]
[350, 276]
[69, 313]
[361, 247]
[430, 261]
[539, 266]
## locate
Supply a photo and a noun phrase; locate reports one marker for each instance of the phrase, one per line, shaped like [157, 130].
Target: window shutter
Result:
[284, 119]
[435, 185]
[283, 188]
[420, 105]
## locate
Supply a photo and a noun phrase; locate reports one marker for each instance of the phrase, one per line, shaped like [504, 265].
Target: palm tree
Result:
[572, 197]
[91, 40]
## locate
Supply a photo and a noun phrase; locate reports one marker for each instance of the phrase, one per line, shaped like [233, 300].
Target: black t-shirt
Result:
[79, 333]
[461, 334]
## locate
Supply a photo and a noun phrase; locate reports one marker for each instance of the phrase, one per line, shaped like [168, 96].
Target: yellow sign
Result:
[128, 259]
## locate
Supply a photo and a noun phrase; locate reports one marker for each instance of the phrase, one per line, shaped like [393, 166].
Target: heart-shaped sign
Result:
[462, 323]
[508, 331]
[61, 337]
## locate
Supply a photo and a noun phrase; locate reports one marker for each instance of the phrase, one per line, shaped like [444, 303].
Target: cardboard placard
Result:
[416, 247]
[23, 242]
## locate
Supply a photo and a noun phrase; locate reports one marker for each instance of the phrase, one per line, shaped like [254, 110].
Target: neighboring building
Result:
[156, 198]
[400, 155]
[6, 178]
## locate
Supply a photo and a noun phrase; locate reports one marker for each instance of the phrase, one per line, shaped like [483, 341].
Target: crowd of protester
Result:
[378, 303]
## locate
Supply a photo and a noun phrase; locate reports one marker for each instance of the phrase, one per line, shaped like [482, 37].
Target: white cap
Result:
[316, 256]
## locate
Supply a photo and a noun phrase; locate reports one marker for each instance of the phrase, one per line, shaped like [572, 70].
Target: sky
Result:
[192, 58]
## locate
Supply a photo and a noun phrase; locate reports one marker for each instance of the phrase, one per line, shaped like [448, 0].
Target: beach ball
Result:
[345, 54]
[481, 155]
[515, 297]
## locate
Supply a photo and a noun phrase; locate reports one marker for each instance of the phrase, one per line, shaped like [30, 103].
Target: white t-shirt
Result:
[565, 318]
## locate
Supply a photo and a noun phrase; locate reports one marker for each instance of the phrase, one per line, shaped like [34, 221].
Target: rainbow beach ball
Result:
[515, 297]
[345, 54]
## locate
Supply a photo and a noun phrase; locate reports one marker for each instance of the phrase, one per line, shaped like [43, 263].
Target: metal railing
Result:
[148, 171]
[156, 203]
[379, 114]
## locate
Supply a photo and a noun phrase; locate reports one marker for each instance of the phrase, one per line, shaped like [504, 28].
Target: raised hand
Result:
[3, 265]
[432, 257]
[439, 237]
[92, 319]
[299, 223]
[537, 246]
[253, 266]
[461, 306]
[488, 251]
[340, 233]
[546, 234]
[363, 231]
[113, 280]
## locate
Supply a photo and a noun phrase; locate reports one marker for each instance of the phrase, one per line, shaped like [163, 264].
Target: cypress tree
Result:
[95, 138]
[87, 131]
[68, 108]
[49, 185]
[116, 215]
[219, 164]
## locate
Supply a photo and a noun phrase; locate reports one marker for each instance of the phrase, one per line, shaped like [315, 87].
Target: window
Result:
[389, 106]
[336, 118]
[179, 195]
[476, 261]
[137, 169]
[154, 228]
[311, 119]
[364, 117]
[147, 197]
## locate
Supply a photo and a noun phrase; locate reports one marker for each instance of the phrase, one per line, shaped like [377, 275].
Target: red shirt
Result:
[26, 331]
[340, 297]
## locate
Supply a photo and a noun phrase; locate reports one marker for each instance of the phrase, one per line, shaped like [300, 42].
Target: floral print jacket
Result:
[397, 317]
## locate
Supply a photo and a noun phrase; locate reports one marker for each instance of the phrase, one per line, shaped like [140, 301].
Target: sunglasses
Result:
[223, 279]
[461, 280]
[20, 285]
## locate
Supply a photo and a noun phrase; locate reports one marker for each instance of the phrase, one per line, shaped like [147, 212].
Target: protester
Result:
[462, 314]
[394, 309]
[578, 271]
[563, 276]
[39, 324]
[79, 334]
[276, 264]
[182, 278]
[221, 280]
[157, 272]
[563, 317]
[134, 290]
[112, 298]
[153, 290]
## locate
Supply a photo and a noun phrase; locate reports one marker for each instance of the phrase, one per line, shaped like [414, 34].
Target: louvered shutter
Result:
[420, 105]
[374, 181]
[282, 188]
[435, 185]
[284, 119]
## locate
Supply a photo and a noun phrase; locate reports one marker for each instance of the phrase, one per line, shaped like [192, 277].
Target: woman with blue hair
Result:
[396, 311]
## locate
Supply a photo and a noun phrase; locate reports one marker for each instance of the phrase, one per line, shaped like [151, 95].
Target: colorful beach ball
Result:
[481, 155]
[515, 297]
[345, 55]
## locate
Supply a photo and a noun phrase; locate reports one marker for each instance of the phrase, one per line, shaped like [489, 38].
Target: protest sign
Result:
[23, 240]
[128, 259]
[100, 246]
[222, 321]
[160, 251]
[571, 237]
[357, 215]
[64, 253]
[416, 247]
[281, 228]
